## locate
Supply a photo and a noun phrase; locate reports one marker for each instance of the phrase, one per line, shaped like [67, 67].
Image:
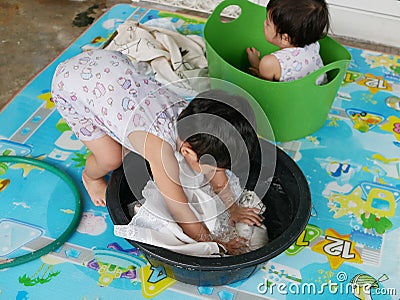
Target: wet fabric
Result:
[153, 224]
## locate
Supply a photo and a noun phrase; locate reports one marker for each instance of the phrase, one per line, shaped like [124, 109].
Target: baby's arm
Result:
[267, 67]
[165, 170]
[221, 187]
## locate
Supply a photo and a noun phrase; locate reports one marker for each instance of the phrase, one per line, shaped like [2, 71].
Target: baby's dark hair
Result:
[304, 21]
[213, 122]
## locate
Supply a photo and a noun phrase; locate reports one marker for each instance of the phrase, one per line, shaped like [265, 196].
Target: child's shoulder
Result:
[269, 67]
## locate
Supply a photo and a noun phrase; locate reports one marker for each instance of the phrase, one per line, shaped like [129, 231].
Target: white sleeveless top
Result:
[298, 62]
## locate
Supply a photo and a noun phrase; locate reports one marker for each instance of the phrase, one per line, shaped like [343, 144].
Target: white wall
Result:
[375, 21]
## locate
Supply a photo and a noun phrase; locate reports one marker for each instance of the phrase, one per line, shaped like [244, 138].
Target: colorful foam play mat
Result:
[350, 248]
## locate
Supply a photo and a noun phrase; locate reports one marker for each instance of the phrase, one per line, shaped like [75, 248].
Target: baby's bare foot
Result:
[96, 189]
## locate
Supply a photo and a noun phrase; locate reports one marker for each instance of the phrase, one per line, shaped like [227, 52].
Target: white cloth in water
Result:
[173, 58]
[257, 236]
[153, 224]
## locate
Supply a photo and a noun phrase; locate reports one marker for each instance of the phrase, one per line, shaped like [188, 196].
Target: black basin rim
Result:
[251, 259]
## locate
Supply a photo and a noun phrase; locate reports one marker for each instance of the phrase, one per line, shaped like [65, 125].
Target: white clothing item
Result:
[101, 92]
[297, 62]
[175, 58]
[153, 224]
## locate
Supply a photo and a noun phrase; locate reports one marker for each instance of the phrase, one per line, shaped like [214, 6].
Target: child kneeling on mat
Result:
[109, 105]
[295, 26]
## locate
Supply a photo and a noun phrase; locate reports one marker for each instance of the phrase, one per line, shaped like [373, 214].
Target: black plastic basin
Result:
[288, 207]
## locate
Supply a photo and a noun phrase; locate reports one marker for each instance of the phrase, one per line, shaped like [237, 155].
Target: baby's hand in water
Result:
[236, 246]
[250, 216]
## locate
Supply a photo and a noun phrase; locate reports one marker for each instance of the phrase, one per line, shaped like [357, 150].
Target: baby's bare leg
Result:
[106, 156]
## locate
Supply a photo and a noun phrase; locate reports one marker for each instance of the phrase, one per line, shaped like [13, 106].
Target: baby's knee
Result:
[112, 163]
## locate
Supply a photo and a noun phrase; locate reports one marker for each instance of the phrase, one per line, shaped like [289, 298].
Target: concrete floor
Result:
[34, 32]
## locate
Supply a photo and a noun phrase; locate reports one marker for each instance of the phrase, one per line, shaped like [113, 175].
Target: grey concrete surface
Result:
[34, 32]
